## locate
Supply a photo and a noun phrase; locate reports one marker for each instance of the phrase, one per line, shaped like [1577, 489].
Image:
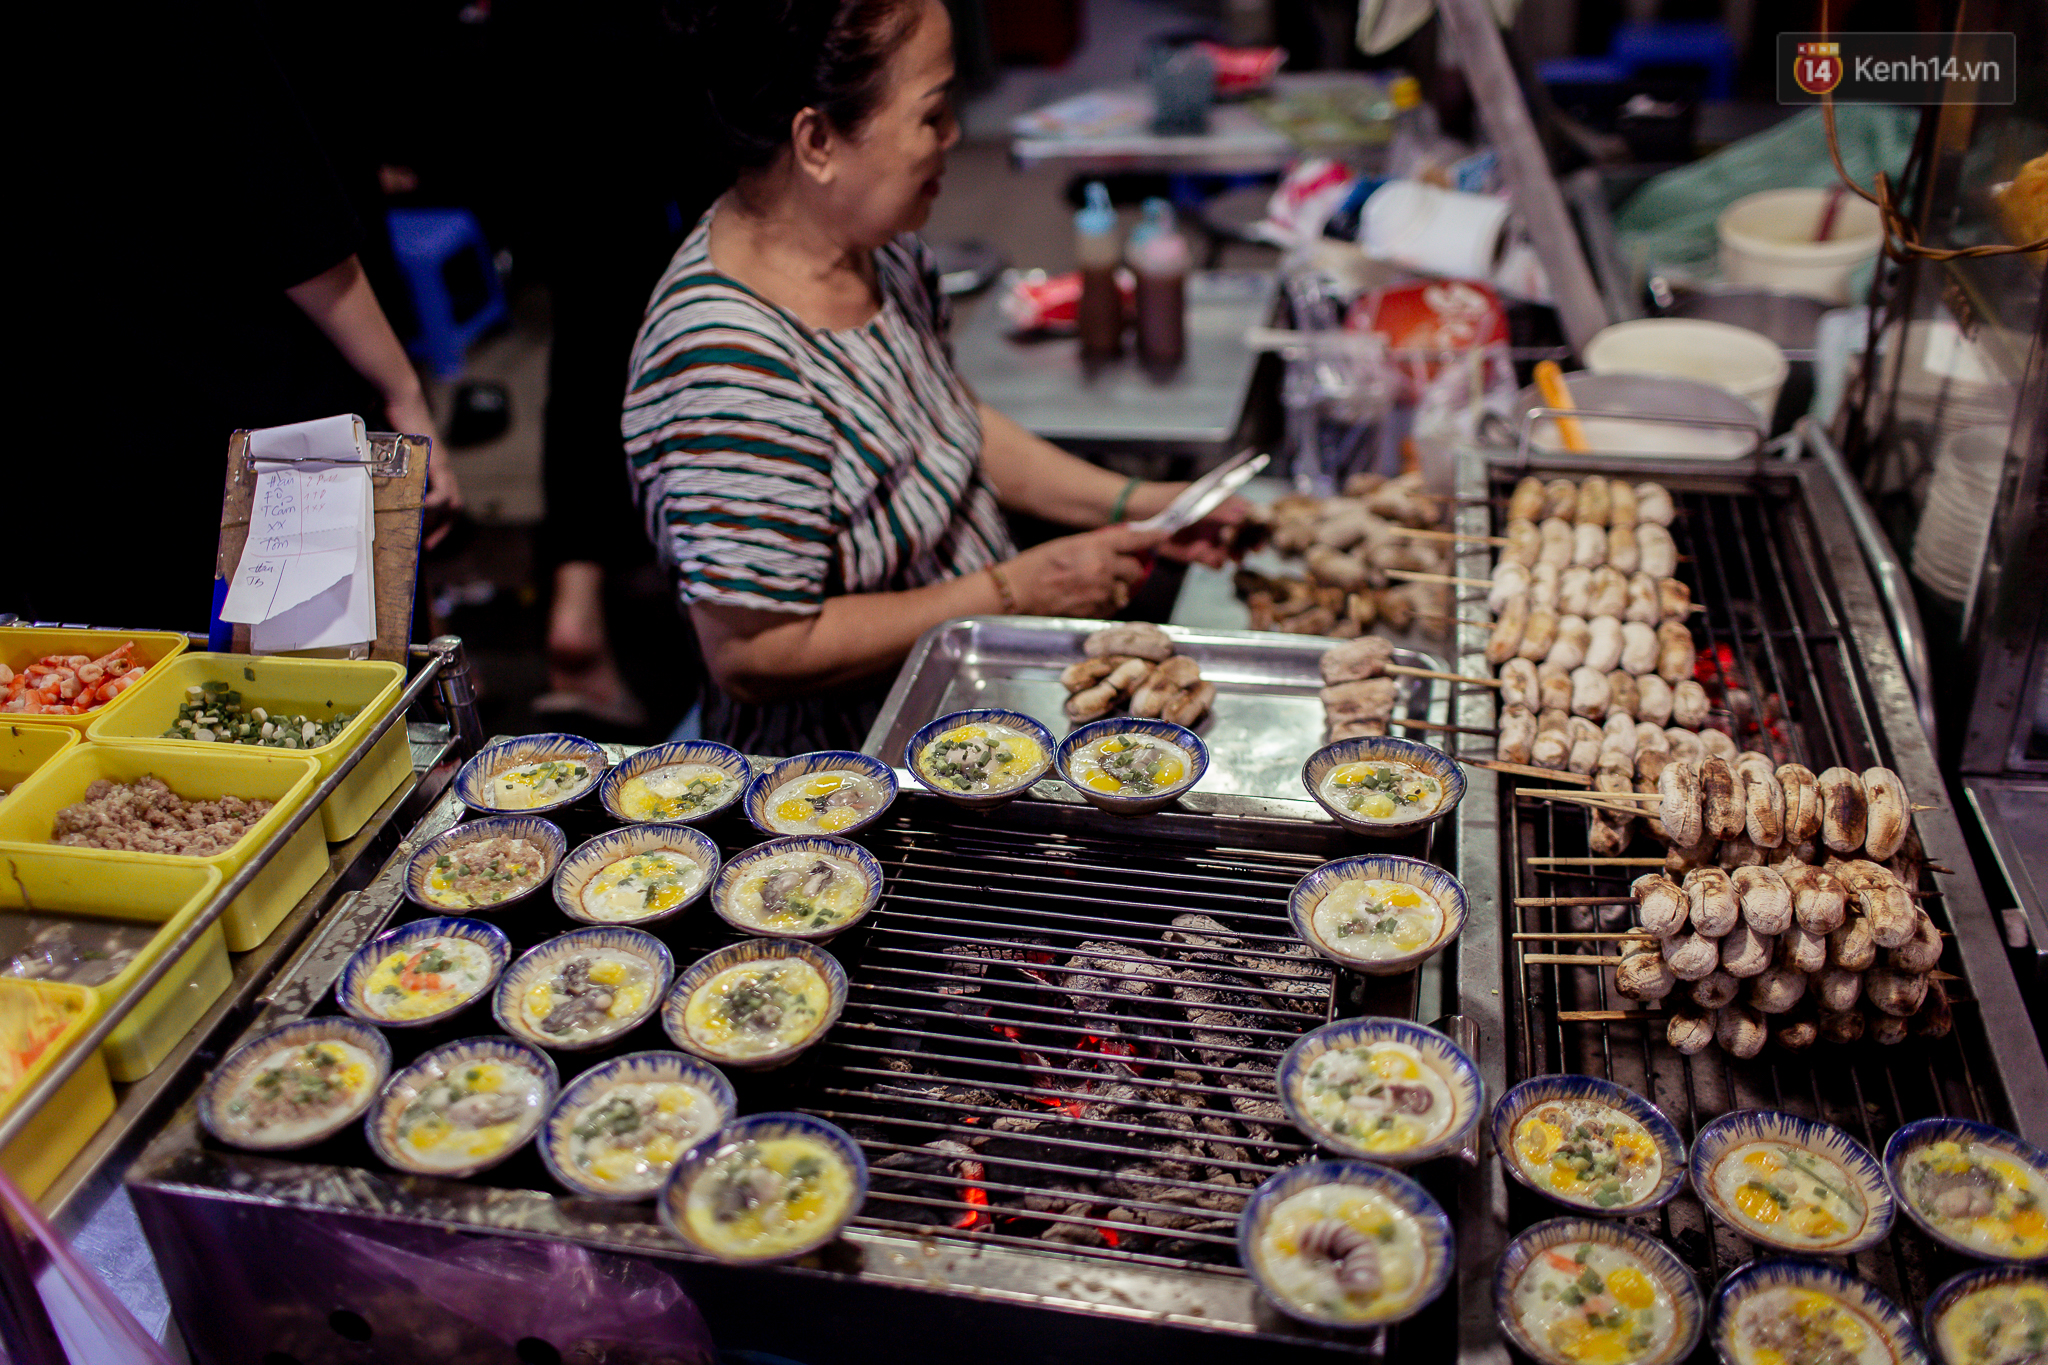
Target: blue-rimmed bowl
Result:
[705, 752]
[1438, 1053]
[1923, 1132]
[1176, 735]
[675, 1024]
[1432, 881]
[258, 1050]
[473, 781]
[1439, 1247]
[635, 1068]
[546, 960]
[1016, 720]
[1952, 1292]
[757, 1128]
[408, 938]
[1384, 749]
[1720, 1139]
[1541, 1090]
[595, 855]
[1688, 1308]
[742, 863]
[804, 765]
[543, 834]
[1887, 1321]
[381, 1127]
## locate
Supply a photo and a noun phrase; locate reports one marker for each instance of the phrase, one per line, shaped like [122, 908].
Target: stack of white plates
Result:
[1948, 548]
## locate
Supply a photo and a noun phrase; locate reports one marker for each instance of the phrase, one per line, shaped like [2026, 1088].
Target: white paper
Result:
[345, 611]
[306, 577]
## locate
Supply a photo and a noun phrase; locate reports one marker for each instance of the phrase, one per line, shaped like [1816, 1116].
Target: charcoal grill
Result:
[1785, 618]
[1058, 1046]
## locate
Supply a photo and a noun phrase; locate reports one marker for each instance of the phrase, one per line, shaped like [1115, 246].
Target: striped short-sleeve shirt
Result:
[777, 465]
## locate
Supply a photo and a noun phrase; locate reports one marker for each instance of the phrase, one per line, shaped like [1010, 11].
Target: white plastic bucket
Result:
[1767, 239]
[1747, 364]
[1433, 231]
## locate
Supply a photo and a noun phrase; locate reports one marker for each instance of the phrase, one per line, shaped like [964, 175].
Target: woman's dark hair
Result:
[757, 63]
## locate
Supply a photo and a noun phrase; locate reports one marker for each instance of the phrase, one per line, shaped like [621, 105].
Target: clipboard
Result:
[398, 486]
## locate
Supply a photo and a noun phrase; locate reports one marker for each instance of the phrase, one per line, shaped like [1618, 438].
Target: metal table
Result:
[1239, 141]
[1119, 407]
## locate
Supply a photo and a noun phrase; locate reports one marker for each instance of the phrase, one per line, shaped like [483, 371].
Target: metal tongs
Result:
[1206, 494]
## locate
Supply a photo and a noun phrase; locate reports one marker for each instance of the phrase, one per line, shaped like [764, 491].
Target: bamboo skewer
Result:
[1567, 960]
[1575, 900]
[1407, 671]
[1634, 935]
[1605, 1016]
[1544, 864]
[1522, 770]
[1417, 576]
[1609, 796]
[1595, 800]
[1442, 725]
[1416, 533]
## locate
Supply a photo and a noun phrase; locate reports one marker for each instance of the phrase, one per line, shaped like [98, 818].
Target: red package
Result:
[1241, 70]
[1428, 322]
[1038, 302]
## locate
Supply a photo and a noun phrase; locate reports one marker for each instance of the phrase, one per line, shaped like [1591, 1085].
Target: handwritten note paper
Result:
[306, 578]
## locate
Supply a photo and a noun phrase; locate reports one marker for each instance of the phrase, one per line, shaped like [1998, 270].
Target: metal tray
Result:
[1267, 720]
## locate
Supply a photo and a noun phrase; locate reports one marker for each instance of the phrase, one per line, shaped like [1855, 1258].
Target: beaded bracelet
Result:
[1003, 590]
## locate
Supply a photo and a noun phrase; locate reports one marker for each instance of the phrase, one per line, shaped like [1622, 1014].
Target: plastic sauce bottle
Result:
[1101, 318]
[1160, 258]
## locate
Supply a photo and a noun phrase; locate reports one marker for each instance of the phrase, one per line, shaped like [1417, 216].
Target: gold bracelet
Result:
[1003, 590]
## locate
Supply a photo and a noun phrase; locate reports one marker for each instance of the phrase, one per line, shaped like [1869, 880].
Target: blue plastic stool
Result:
[1702, 44]
[1581, 71]
[448, 265]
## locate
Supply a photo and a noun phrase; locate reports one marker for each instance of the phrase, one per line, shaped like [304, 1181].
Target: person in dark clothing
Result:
[200, 274]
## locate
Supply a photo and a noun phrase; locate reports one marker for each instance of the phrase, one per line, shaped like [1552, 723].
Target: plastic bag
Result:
[585, 1304]
[93, 1324]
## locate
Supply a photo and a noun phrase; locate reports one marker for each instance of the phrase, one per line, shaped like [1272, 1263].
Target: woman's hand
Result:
[1088, 575]
[1202, 543]
[408, 413]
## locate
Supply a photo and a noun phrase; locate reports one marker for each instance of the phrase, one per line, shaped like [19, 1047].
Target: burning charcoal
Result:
[962, 1170]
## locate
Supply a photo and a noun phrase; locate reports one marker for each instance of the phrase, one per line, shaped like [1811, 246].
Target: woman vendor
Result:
[817, 478]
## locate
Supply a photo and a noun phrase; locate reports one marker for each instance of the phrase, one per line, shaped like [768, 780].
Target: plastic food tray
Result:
[68, 881]
[21, 646]
[69, 1118]
[197, 773]
[25, 748]
[313, 687]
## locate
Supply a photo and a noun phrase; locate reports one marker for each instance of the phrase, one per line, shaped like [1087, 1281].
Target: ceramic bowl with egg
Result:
[1383, 1090]
[423, 972]
[1769, 1312]
[583, 989]
[638, 875]
[1993, 1315]
[1590, 1145]
[769, 1187]
[1379, 914]
[295, 1085]
[486, 865]
[1346, 1244]
[1383, 787]
[834, 791]
[980, 759]
[1791, 1183]
[1974, 1188]
[1576, 1291]
[531, 774]
[620, 1127]
[812, 887]
[680, 783]
[462, 1107]
[1131, 765]
[757, 1004]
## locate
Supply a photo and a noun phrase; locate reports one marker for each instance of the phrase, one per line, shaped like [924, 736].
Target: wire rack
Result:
[1773, 632]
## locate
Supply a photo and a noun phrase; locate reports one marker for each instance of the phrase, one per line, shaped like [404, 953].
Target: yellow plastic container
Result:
[67, 1121]
[25, 748]
[197, 773]
[67, 881]
[21, 646]
[368, 688]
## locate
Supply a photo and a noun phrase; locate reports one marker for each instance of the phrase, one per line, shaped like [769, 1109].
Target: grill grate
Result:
[1085, 1026]
[1754, 564]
